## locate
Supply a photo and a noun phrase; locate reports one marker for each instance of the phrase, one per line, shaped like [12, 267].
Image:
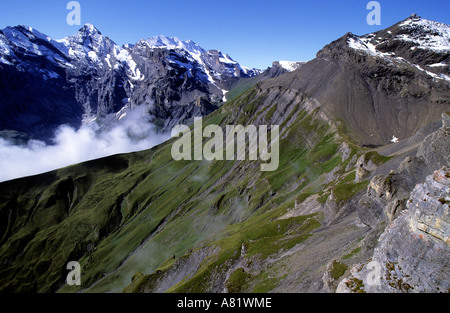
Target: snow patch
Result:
[224, 99]
[431, 35]
[290, 65]
[438, 65]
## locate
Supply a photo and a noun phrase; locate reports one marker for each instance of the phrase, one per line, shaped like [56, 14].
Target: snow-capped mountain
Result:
[220, 69]
[35, 95]
[87, 78]
[20, 47]
[382, 85]
[419, 42]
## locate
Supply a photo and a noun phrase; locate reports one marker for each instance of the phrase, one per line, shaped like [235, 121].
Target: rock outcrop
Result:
[413, 201]
[413, 252]
[380, 84]
[87, 78]
[387, 194]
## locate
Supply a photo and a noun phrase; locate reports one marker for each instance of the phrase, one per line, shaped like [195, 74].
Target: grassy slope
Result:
[131, 213]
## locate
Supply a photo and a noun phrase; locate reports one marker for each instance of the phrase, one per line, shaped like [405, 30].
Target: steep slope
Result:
[117, 216]
[380, 85]
[143, 222]
[412, 253]
[220, 68]
[28, 58]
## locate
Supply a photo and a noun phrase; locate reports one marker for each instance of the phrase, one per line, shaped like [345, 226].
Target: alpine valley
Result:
[363, 177]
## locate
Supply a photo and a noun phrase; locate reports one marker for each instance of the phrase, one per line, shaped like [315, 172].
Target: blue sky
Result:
[253, 32]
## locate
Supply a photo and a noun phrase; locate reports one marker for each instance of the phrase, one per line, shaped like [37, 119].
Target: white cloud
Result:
[132, 133]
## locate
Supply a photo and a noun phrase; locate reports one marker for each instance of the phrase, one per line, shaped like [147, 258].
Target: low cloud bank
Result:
[133, 133]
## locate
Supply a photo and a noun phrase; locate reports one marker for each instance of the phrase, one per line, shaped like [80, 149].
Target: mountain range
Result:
[345, 195]
[88, 79]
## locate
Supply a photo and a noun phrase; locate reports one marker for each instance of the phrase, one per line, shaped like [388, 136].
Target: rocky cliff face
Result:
[47, 102]
[86, 78]
[388, 194]
[412, 252]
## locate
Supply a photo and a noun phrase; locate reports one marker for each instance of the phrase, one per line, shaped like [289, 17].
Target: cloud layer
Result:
[132, 133]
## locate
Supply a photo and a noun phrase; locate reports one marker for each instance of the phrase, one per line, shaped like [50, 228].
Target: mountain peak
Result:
[23, 29]
[89, 29]
[25, 38]
[424, 34]
[90, 38]
[162, 41]
[414, 16]
[415, 19]
[405, 37]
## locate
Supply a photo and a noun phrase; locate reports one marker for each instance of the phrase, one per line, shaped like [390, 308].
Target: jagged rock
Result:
[328, 279]
[363, 168]
[309, 206]
[388, 193]
[370, 212]
[351, 164]
[445, 120]
[413, 252]
[345, 150]
[333, 175]
[87, 78]
[435, 150]
[430, 204]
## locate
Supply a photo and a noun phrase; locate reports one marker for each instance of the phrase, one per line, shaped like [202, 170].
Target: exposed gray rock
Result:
[331, 176]
[345, 150]
[183, 268]
[435, 150]
[370, 212]
[351, 164]
[388, 193]
[413, 253]
[364, 167]
[309, 206]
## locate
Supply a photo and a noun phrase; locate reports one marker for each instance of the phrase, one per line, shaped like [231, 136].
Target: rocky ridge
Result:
[413, 250]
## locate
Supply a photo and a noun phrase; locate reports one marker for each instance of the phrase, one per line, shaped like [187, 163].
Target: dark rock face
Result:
[43, 107]
[229, 71]
[87, 78]
[34, 96]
